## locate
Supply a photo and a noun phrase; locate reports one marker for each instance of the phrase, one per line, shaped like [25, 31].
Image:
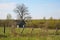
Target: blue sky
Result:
[37, 8]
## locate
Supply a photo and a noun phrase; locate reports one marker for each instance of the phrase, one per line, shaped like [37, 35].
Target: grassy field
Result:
[37, 34]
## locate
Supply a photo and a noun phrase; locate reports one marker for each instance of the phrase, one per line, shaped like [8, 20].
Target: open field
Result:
[37, 34]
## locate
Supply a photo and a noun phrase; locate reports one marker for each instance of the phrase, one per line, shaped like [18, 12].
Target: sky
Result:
[37, 8]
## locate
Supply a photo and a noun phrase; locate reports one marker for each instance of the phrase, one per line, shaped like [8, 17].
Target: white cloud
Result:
[6, 8]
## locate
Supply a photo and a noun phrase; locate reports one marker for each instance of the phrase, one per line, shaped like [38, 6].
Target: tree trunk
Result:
[22, 29]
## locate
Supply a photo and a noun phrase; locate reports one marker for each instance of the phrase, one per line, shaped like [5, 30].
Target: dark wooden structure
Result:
[21, 23]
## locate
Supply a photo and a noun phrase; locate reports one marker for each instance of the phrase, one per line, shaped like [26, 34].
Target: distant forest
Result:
[50, 23]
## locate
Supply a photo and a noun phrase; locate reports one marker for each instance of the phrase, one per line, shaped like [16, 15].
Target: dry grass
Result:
[37, 34]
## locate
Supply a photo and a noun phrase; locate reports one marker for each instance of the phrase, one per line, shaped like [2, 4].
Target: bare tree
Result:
[51, 18]
[28, 19]
[44, 18]
[8, 19]
[9, 16]
[21, 11]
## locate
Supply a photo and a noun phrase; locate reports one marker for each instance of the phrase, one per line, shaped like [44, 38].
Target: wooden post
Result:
[4, 28]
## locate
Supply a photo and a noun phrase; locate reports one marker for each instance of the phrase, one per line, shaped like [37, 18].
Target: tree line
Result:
[52, 24]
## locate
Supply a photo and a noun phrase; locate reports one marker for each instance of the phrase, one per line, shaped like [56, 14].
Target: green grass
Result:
[26, 35]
